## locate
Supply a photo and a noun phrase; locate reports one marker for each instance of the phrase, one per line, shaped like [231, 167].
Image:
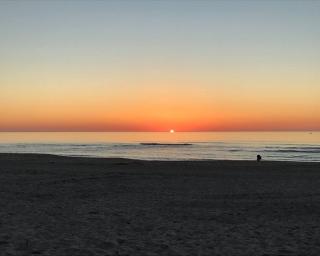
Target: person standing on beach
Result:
[259, 158]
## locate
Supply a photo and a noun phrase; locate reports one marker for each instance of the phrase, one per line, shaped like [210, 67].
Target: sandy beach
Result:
[60, 206]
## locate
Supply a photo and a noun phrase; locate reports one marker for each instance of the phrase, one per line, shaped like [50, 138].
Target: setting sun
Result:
[171, 131]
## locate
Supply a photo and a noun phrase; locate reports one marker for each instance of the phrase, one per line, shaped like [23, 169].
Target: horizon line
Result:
[166, 131]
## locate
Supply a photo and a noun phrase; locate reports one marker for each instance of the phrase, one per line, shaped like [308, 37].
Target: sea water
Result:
[283, 146]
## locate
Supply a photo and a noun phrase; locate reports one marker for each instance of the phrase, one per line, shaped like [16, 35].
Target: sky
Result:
[159, 65]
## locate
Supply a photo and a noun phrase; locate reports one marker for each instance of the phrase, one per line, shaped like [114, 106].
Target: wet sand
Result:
[60, 206]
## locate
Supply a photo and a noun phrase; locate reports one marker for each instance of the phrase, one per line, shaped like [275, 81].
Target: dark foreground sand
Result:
[76, 206]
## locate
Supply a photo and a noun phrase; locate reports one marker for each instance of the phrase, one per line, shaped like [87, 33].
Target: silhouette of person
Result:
[259, 158]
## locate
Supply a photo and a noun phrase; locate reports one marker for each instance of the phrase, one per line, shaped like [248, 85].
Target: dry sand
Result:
[79, 206]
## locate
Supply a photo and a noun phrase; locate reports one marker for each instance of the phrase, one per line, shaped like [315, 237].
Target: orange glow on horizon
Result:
[179, 103]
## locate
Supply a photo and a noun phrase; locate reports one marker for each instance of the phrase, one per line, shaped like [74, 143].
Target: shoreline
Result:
[156, 160]
[55, 205]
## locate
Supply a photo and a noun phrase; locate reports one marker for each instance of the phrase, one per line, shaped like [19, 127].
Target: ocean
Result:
[279, 146]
